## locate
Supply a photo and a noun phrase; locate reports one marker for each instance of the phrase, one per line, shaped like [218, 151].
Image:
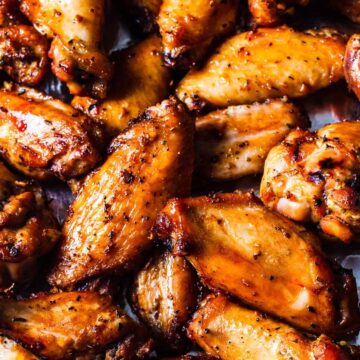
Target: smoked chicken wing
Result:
[23, 54]
[188, 28]
[268, 12]
[164, 297]
[230, 331]
[315, 177]
[76, 29]
[239, 246]
[11, 350]
[42, 136]
[109, 224]
[59, 326]
[234, 142]
[266, 63]
[27, 229]
[141, 80]
[352, 64]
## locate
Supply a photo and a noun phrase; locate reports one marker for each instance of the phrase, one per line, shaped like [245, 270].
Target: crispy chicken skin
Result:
[188, 28]
[76, 29]
[164, 296]
[27, 229]
[23, 53]
[44, 137]
[268, 12]
[230, 331]
[10, 350]
[315, 177]
[234, 142]
[59, 326]
[141, 80]
[266, 63]
[223, 238]
[143, 13]
[109, 223]
[352, 64]
[350, 8]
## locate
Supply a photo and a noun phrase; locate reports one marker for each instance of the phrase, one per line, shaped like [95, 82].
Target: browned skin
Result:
[230, 331]
[134, 346]
[23, 53]
[350, 8]
[268, 12]
[238, 245]
[192, 357]
[109, 223]
[234, 142]
[164, 296]
[296, 65]
[43, 137]
[58, 326]
[141, 80]
[10, 13]
[10, 350]
[76, 29]
[26, 225]
[143, 13]
[188, 28]
[352, 64]
[315, 177]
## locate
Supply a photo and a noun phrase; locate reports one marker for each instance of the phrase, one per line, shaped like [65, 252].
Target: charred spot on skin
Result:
[127, 177]
[316, 177]
[327, 163]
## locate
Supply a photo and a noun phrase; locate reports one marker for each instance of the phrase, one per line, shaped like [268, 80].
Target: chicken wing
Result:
[141, 80]
[23, 54]
[188, 28]
[230, 331]
[266, 63]
[223, 238]
[110, 221]
[27, 229]
[10, 350]
[42, 137]
[350, 8]
[76, 29]
[352, 64]
[268, 12]
[234, 142]
[143, 13]
[315, 177]
[59, 326]
[164, 296]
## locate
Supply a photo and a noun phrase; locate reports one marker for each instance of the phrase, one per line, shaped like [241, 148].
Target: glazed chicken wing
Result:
[350, 8]
[188, 28]
[234, 142]
[268, 12]
[315, 177]
[143, 13]
[230, 331]
[141, 80]
[352, 64]
[76, 29]
[110, 221]
[59, 326]
[27, 229]
[11, 350]
[266, 63]
[23, 53]
[239, 246]
[164, 297]
[42, 137]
